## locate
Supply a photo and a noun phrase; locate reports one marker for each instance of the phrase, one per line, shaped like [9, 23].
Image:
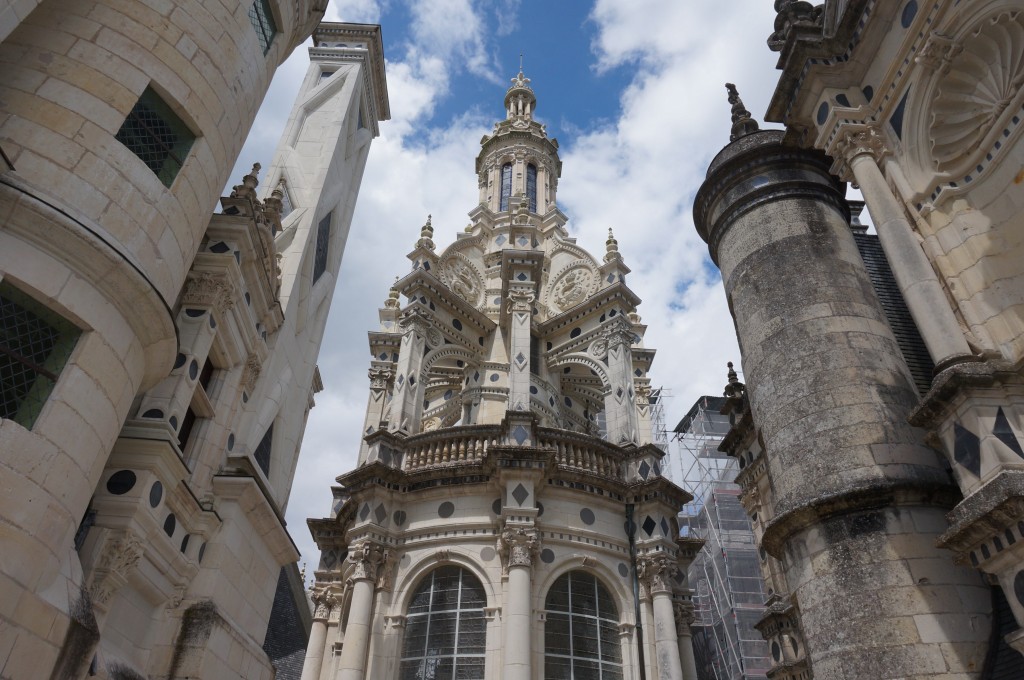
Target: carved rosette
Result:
[598, 348]
[657, 573]
[572, 287]
[462, 277]
[207, 289]
[120, 556]
[518, 547]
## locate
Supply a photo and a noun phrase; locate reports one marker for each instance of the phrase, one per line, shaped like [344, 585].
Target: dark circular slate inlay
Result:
[909, 12]
[776, 651]
[623, 570]
[1018, 586]
[202, 551]
[231, 441]
[487, 553]
[540, 509]
[184, 543]
[193, 370]
[121, 482]
[179, 360]
[446, 510]
[587, 515]
[170, 524]
[547, 556]
[496, 506]
[156, 493]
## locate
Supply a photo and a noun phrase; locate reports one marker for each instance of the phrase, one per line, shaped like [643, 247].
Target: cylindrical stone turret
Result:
[859, 498]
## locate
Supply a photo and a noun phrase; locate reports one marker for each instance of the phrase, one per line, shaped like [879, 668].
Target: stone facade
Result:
[506, 457]
[148, 436]
[847, 461]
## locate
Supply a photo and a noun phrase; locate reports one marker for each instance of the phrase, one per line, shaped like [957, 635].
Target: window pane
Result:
[412, 670]
[445, 625]
[556, 668]
[469, 669]
[556, 634]
[581, 635]
[586, 670]
[610, 648]
[558, 596]
[415, 636]
[531, 186]
[584, 637]
[472, 633]
[506, 185]
[323, 240]
[154, 133]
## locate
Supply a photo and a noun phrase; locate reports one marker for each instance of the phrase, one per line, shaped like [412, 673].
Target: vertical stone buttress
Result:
[859, 498]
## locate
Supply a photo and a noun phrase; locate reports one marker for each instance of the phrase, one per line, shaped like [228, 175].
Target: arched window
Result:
[531, 186]
[506, 185]
[445, 630]
[581, 636]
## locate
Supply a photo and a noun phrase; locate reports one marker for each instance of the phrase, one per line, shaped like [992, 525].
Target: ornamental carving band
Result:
[210, 290]
[365, 559]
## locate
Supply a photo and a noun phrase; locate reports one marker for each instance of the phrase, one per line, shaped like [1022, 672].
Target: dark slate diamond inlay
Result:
[520, 359]
[1004, 433]
[967, 449]
[520, 434]
[657, 469]
[521, 276]
[380, 514]
[496, 506]
[644, 469]
[399, 517]
[365, 511]
[649, 525]
[664, 527]
[520, 493]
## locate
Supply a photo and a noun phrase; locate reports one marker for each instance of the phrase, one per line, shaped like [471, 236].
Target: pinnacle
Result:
[742, 123]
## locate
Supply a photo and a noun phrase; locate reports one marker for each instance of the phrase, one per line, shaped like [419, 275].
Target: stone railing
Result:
[583, 453]
[449, 446]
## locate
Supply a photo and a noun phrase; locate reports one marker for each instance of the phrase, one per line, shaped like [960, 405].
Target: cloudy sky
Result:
[634, 92]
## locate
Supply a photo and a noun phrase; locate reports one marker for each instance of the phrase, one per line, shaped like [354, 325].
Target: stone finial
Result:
[611, 247]
[392, 302]
[247, 189]
[734, 388]
[426, 235]
[791, 14]
[742, 123]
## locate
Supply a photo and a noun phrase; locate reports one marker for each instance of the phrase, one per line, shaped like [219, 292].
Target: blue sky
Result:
[634, 92]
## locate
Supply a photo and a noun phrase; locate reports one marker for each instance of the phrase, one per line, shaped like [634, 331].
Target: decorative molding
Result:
[518, 547]
[120, 557]
[657, 572]
[208, 289]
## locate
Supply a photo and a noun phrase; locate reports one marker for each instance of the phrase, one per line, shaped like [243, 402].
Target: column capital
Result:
[380, 376]
[657, 572]
[210, 290]
[369, 560]
[518, 546]
[618, 332]
[852, 141]
[684, 617]
[415, 320]
[121, 555]
[520, 299]
[324, 602]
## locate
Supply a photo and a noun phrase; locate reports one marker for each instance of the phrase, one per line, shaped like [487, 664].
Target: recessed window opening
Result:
[531, 186]
[154, 133]
[262, 20]
[581, 635]
[506, 185]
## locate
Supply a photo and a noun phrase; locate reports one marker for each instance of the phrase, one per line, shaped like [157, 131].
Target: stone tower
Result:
[845, 493]
[508, 518]
[157, 361]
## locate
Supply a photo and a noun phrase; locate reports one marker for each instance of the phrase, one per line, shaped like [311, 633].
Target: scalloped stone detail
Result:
[982, 79]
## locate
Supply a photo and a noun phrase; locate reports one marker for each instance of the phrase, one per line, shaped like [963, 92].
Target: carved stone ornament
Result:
[657, 572]
[937, 52]
[859, 140]
[572, 287]
[431, 424]
[684, 616]
[366, 558]
[434, 338]
[212, 290]
[462, 278]
[981, 80]
[120, 556]
[322, 601]
[520, 300]
[598, 348]
[791, 14]
[380, 378]
[253, 367]
[518, 547]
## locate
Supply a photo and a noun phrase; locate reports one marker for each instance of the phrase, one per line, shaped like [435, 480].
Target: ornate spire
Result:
[426, 235]
[520, 102]
[742, 123]
[734, 388]
[392, 302]
[611, 247]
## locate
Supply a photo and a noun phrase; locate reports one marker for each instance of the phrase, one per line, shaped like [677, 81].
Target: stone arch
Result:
[595, 566]
[446, 352]
[405, 586]
[585, 360]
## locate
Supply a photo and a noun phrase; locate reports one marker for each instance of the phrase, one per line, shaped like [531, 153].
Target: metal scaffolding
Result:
[729, 592]
[659, 433]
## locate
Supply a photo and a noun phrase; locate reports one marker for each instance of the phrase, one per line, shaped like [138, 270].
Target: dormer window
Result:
[506, 186]
[531, 186]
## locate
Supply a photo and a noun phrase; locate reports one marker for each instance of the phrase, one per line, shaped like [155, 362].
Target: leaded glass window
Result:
[262, 20]
[35, 343]
[445, 631]
[506, 185]
[323, 239]
[581, 635]
[154, 133]
[531, 186]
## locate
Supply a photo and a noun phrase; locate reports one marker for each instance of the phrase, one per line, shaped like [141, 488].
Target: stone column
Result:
[684, 617]
[381, 378]
[366, 559]
[521, 304]
[656, 572]
[518, 547]
[407, 403]
[311, 667]
[619, 402]
[862, 146]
